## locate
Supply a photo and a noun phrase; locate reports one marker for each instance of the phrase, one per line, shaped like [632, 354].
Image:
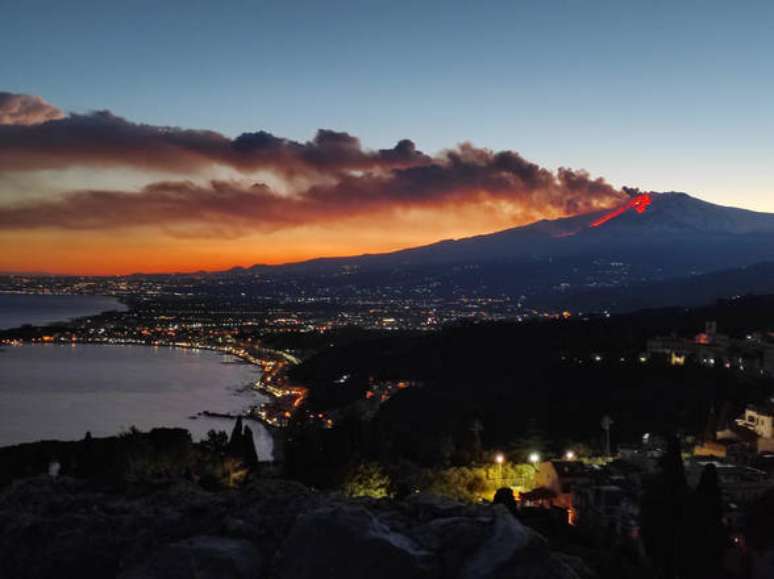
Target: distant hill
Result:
[693, 290]
[674, 242]
[674, 220]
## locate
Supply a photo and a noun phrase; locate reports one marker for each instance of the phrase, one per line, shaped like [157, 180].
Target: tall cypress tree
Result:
[249, 453]
[235, 443]
[661, 511]
[704, 537]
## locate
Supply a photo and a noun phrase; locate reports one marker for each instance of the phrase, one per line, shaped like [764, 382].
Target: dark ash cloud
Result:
[330, 177]
[102, 139]
[464, 176]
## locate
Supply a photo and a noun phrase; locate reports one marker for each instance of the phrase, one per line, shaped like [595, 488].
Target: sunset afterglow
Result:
[105, 195]
[140, 145]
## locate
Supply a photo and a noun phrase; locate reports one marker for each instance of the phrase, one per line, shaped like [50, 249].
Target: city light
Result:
[534, 457]
[499, 458]
[569, 455]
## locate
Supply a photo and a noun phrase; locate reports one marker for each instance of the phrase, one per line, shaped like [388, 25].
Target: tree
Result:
[704, 537]
[662, 511]
[367, 480]
[235, 442]
[249, 454]
[459, 483]
[469, 446]
[216, 442]
[533, 440]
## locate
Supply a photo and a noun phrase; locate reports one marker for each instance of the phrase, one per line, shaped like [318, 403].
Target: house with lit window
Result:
[752, 353]
[759, 419]
[750, 434]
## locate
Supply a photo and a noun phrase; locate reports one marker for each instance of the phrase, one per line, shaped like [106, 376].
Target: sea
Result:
[39, 310]
[59, 392]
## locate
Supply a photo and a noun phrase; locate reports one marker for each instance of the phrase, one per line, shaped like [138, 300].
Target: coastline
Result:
[263, 386]
[224, 389]
[274, 411]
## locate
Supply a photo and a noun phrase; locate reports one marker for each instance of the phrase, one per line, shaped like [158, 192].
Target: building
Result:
[759, 419]
[754, 352]
[754, 429]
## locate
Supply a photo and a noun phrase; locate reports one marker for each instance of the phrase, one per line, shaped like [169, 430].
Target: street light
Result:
[499, 460]
[569, 455]
[534, 458]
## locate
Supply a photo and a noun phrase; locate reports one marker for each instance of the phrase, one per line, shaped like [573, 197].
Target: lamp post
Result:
[499, 460]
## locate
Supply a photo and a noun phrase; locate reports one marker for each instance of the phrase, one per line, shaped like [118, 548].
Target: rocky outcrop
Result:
[270, 528]
[421, 538]
[350, 541]
[201, 557]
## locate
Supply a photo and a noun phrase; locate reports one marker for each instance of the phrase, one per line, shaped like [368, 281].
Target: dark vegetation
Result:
[682, 528]
[694, 290]
[136, 458]
[534, 385]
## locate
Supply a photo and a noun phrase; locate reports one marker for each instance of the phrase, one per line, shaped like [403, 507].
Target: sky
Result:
[177, 136]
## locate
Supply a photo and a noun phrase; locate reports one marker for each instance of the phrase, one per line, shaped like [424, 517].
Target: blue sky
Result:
[661, 95]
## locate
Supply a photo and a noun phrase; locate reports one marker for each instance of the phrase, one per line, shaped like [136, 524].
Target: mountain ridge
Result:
[673, 216]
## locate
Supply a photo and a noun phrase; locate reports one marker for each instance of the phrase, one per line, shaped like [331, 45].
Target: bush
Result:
[367, 480]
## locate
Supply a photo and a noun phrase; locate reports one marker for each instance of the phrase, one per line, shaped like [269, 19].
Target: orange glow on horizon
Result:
[148, 250]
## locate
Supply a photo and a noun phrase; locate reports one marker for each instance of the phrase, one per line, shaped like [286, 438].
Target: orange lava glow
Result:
[639, 203]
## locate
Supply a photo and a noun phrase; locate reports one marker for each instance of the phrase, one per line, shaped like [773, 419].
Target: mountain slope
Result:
[549, 262]
[672, 218]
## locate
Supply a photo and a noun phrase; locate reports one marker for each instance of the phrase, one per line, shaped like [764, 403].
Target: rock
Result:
[273, 528]
[347, 541]
[202, 557]
[505, 539]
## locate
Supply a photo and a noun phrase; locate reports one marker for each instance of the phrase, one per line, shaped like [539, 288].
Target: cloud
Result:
[330, 177]
[463, 176]
[102, 139]
[329, 151]
[22, 109]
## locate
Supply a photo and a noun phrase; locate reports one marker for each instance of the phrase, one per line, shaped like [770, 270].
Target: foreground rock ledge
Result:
[270, 529]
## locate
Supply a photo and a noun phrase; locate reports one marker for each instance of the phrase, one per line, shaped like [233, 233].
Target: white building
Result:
[760, 420]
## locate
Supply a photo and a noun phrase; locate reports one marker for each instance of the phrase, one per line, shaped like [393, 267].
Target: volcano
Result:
[669, 236]
[676, 230]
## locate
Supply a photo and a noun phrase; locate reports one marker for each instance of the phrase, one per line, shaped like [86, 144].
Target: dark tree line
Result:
[682, 529]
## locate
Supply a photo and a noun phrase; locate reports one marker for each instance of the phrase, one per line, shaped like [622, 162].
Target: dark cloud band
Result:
[338, 177]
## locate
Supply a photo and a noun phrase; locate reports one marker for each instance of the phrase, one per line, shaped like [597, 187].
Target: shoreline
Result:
[241, 355]
[200, 419]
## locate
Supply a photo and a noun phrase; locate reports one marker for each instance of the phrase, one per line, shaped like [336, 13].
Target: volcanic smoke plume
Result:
[328, 178]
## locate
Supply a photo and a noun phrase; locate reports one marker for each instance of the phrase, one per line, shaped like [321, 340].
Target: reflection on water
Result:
[61, 391]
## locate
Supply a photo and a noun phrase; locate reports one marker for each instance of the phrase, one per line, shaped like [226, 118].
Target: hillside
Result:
[564, 263]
